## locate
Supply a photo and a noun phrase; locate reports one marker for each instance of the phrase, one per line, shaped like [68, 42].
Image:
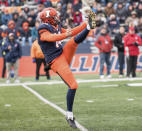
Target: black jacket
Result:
[118, 42]
[13, 54]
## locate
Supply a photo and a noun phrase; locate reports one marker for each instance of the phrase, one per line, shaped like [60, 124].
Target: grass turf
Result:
[27, 113]
[108, 109]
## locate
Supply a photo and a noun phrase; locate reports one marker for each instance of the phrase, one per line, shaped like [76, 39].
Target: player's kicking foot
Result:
[92, 19]
[70, 119]
[71, 122]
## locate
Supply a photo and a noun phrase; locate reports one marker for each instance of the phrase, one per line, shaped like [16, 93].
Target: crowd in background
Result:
[21, 20]
[109, 12]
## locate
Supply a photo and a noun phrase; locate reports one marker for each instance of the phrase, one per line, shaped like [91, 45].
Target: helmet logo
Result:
[47, 13]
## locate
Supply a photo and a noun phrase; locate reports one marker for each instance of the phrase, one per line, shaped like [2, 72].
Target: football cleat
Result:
[71, 122]
[92, 19]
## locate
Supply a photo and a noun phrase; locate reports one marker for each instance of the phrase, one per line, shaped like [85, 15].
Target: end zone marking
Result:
[52, 105]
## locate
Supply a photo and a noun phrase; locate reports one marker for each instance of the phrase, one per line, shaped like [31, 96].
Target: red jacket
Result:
[104, 43]
[77, 19]
[129, 40]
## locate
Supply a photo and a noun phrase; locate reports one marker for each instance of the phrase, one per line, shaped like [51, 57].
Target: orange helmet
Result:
[49, 15]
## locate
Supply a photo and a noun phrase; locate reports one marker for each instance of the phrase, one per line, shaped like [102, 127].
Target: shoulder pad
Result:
[46, 27]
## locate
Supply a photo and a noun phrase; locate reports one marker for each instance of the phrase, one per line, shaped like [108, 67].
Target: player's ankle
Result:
[69, 115]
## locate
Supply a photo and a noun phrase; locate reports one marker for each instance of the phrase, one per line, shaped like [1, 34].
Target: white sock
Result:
[70, 115]
[88, 27]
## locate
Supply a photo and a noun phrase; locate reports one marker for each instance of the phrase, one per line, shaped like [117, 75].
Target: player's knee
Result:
[74, 85]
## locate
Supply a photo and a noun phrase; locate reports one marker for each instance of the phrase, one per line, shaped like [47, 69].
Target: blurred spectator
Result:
[131, 43]
[133, 18]
[40, 1]
[31, 18]
[25, 12]
[129, 10]
[47, 3]
[1, 31]
[94, 7]
[4, 31]
[40, 8]
[67, 1]
[77, 5]
[12, 54]
[16, 19]
[104, 45]
[134, 4]
[26, 34]
[21, 19]
[139, 10]
[90, 3]
[34, 31]
[113, 23]
[103, 2]
[140, 28]
[3, 3]
[2, 44]
[119, 43]
[109, 9]
[100, 21]
[85, 12]
[13, 2]
[6, 17]
[121, 13]
[1, 13]
[38, 58]
[77, 18]
[61, 12]
[12, 29]
[69, 16]
[101, 13]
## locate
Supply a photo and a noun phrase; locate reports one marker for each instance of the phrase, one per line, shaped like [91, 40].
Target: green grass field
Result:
[97, 109]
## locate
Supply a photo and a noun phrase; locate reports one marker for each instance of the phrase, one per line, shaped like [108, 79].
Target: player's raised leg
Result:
[71, 46]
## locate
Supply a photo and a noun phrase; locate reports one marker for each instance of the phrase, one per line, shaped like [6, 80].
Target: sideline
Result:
[79, 81]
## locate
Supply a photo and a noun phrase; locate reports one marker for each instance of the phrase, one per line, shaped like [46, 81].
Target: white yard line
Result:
[98, 86]
[52, 105]
[79, 81]
[109, 80]
[135, 84]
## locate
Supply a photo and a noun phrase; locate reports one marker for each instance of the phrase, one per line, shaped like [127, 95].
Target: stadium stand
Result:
[110, 13]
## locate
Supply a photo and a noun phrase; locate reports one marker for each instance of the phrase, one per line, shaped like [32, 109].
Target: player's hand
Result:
[92, 19]
[69, 33]
[33, 60]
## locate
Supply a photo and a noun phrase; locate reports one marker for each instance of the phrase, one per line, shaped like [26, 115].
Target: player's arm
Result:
[75, 30]
[47, 36]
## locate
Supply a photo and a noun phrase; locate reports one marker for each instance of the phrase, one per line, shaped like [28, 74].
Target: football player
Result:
[58, 58]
